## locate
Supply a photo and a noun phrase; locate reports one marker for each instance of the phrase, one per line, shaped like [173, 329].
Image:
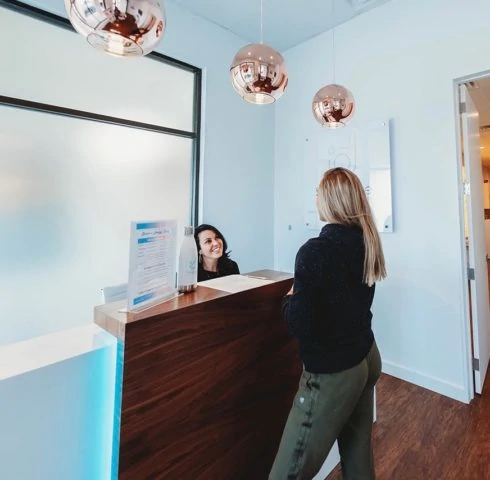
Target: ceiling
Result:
[286, 23]
[480, 93]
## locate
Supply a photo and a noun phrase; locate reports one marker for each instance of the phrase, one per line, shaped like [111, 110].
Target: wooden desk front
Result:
[208, 381]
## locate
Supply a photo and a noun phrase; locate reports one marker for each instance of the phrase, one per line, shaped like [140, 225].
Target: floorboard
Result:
[422, 435]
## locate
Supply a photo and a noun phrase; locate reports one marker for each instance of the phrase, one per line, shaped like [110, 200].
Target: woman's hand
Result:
[290, 290]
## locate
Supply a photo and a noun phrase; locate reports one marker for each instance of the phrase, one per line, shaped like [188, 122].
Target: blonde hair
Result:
[341, 199]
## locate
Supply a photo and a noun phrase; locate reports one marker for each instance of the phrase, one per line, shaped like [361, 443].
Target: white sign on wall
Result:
[366, 151]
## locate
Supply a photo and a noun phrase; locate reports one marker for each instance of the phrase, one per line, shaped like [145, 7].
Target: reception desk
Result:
[206, 381]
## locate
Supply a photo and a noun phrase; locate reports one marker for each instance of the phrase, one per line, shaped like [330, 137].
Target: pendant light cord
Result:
[333, 39]
[261, 21]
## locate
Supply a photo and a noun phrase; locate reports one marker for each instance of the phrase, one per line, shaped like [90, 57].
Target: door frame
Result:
[467, 339]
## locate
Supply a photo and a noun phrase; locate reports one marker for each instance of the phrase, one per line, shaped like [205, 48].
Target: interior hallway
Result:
[421, 435]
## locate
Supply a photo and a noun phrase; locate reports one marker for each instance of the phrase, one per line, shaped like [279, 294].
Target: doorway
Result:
[473, 120]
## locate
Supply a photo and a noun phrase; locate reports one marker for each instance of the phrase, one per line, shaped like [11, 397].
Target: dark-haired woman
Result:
[214, 259]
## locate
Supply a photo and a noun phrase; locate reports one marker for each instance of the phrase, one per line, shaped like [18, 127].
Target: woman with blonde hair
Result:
[328, 311]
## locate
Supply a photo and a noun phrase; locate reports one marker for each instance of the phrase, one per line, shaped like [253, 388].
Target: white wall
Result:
[238, 163]
[400, 61]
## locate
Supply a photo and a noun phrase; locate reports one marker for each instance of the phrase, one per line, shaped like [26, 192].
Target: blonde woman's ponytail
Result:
[341, 199]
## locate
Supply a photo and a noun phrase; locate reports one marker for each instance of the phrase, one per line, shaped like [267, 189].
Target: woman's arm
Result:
[299, 306]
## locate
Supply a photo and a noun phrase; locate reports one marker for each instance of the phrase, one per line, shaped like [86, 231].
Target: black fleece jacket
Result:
[329, 311]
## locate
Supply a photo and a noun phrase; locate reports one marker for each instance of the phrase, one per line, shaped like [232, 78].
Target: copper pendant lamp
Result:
[124, 28]
[333, 106]
[258, 72]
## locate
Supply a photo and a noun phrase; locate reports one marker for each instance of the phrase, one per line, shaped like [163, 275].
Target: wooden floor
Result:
[420, 435]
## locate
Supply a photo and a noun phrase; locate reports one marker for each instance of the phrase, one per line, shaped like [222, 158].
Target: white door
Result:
[480, 307]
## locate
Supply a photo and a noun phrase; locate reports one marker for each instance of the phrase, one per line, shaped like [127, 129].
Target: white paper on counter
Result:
[235, 283]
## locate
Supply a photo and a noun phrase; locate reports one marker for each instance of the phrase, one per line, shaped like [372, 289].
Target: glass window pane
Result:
[63, 69]
[68, 191]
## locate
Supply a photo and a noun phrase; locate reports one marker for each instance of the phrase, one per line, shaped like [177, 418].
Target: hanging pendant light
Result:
[124, 28]
[258, 72]
[333, 105]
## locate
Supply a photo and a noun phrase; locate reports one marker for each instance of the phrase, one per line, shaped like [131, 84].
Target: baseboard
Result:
[451, 390]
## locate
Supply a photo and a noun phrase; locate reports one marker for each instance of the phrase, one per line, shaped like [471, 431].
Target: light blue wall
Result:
[56, 422]
[408, 77]
[238, 160]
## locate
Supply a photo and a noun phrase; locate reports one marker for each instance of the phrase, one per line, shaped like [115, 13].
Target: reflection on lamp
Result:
[259, 74]
[333, 106]
[124, 28]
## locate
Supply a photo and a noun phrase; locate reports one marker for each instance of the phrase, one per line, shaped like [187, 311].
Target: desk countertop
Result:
[112, 318]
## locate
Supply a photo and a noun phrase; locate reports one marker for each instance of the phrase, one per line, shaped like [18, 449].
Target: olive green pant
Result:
[329, 407]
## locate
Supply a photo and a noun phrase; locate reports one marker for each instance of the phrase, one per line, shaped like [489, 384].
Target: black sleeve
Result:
[229, 267]
[298, 308]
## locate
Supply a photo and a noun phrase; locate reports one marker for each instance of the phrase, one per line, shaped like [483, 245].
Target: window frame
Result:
[194, 134]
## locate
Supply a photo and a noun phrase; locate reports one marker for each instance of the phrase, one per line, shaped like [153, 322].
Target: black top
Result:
[330, 309]
[226, 267]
